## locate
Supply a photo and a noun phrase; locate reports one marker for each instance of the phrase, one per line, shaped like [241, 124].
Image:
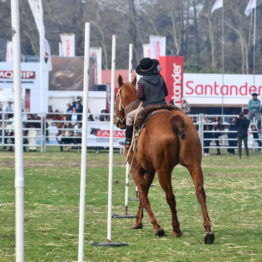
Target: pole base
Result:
[108, 244]
[124, 216]
[133, 199]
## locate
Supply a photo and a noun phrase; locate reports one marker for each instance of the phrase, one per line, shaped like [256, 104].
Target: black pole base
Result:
[124, 216]
[133, 199]
[109, 244]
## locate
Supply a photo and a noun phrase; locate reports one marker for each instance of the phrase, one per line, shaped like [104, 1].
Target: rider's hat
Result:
[147, 66]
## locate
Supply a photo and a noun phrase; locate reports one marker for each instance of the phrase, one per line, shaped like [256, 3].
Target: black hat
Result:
[254, 94]
[147, 66]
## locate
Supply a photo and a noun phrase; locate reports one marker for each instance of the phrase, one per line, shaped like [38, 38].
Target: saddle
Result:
[143, 117]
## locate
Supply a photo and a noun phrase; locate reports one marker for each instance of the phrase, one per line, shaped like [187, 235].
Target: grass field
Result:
[233, 188]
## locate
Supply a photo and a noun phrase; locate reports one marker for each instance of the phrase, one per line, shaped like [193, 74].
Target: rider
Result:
[151, 90]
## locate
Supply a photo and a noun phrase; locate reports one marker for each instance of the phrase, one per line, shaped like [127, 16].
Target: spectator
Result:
[217, 133]
[69, 110]
[73, 117]
[255, 134]
[104, 115]
[78, 135]
[9, 109]
[232, 137]
[185, 107]
[90, 116]
[79, 109]
[242, 124]
[207, 135]
[254, 109]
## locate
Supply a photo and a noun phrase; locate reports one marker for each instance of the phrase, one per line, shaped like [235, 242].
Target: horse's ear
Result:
[120, 80]
[134, 81]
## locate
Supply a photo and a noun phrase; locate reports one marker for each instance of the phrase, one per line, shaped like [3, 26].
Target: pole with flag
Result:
[220, 4]
[44, 53]
[252, 4]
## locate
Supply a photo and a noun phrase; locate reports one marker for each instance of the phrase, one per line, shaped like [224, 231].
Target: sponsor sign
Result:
[214, 89]
[172, 71]
[157, 46]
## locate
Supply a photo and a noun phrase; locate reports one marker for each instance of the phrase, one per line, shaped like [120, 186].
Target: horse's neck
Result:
[130, 96]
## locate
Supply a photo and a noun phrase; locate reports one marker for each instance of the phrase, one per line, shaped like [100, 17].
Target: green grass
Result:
[233, 189]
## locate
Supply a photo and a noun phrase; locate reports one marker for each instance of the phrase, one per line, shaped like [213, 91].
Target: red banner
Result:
[172, 71]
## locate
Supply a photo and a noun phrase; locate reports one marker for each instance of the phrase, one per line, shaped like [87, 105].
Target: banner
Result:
[250, 6]
[68, 44]
[157, 45]
[173, 71]
[8, 53]
[95, 65]
[218, 4]
[37, 11]
[147, 50]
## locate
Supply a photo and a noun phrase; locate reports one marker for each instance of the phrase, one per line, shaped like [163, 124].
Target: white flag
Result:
[47, 60]
[250, 6]
[147, 50]
[158, 46]
[37, 11]
[218, 4]
[95, 65]
[8, 53]
[68, 44]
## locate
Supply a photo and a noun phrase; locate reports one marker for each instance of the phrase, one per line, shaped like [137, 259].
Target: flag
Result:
[158, 46]
[47, 59]
[218, 4]
[250, 6]
[147, 50]
[37, 11]
[8, 53]
[95, 65]
[68, 44]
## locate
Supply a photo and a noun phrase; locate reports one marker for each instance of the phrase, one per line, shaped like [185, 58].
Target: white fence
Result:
[59, 130]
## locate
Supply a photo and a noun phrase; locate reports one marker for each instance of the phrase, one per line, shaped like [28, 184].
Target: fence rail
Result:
[41, 131]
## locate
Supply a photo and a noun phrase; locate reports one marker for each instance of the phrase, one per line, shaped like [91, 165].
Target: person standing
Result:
[79, 109]
[254, 109]
[242, 124]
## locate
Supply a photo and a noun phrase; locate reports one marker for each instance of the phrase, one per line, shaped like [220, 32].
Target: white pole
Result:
[130, 63]
[127, 165]
[254, 47]
[223, 57]
[19, 164]
[127, 187]
[84, 146]
[41, 57]
[110, 175]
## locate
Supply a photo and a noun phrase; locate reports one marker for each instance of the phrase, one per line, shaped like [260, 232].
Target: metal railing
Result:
[41, 131]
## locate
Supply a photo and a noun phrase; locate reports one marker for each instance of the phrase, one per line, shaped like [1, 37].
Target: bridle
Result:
[121, 109]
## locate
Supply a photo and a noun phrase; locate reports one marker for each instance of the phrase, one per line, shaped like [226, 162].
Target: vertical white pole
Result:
[223, 56]
[41, 57]
[110, 175]
[254, 46]
[84, 146]
[130, 67]
[19, 164]
[127, 165]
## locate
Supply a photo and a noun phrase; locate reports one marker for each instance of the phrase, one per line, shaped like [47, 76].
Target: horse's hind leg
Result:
[197, 176]
[148, 177]
[166, 184]
[143, 187]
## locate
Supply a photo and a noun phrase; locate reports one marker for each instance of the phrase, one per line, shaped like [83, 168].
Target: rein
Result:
[120, 108]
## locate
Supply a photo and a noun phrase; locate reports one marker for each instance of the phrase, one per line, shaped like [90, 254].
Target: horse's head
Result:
[126, 94]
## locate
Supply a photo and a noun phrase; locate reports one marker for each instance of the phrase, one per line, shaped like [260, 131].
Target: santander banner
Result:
[172, 71]
[215, 89]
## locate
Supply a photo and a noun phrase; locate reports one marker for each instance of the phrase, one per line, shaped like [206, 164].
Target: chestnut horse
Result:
[169, 138]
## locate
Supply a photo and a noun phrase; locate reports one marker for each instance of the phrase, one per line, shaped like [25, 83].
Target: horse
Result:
[168, 139]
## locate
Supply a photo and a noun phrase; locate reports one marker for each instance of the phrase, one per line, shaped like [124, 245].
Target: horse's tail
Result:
[178, 125]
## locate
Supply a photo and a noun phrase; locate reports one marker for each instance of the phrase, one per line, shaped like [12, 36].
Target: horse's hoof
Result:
[138, 226]
[209, 238]
[177, 234]
[160, 232]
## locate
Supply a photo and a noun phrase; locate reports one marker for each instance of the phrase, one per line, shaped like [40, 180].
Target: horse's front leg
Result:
[148, 177]
[143, 187]
[197, 176]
